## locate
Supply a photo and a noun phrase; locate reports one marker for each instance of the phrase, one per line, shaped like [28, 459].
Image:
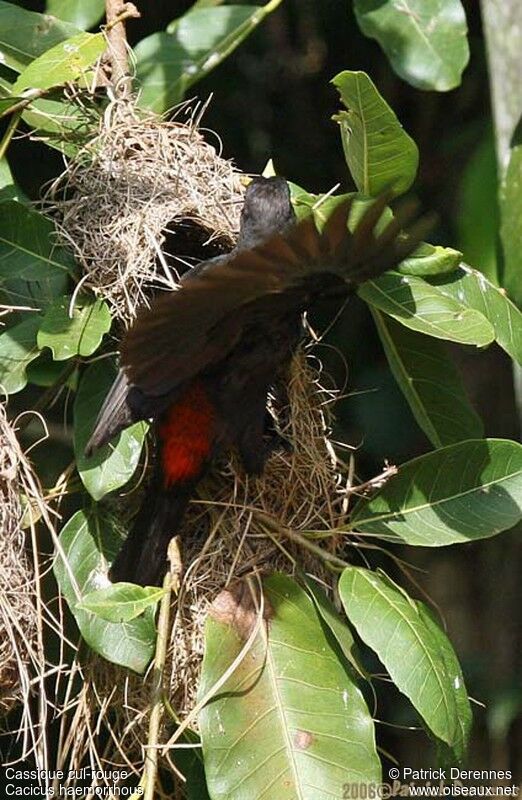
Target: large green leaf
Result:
[414, 650]
[510, 228]
[425, 308]
[466, 491]
[425, 40]
[380, 154]
[79, 334]
[473, 290]
[289, 721]
[169, 63]
[82, 13]
[430, 382]
[89, 544]
[33, 268]
[457, 750]
[17, 349]
[112, 465]
[25, 35]
[65, 62]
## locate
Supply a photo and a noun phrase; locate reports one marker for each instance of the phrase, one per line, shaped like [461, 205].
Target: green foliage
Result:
[425, 40]
[121, 602]
[472, 289]
[380, 154]
[415, 651]
[430, 382]
[33, 268]
[87, 543]
[82, 13]
[169, 63]
[289, 700]
[66, 61]
[462, 492]
[429, 259]
[269, 707]
[18, 348]
[511, 231]
[74, 332]
[114, 464]
[478, 220]
[25, 35]
[425, 308]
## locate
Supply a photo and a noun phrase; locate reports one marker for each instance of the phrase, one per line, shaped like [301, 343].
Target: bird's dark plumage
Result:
[201, 360]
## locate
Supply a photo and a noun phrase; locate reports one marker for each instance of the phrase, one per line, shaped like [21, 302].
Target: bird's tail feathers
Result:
[114, 415]
[142, 558]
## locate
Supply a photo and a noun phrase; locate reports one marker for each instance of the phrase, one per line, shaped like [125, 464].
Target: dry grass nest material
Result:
[137, 179]
[19, 621]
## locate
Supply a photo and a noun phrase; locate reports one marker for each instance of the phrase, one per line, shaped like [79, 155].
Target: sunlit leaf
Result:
[82, 13]
[425, 40]
[25, 35]
[425, 308]
[380, 154]
[89, 543]
[430, 259]
[17, 349]
[65, 62]
[77, 334]
[121, 602]
[473, 290]
[290, 701]
[193, 45]
[510, 228]
[414, 650]
[465, 491]
[338, 627]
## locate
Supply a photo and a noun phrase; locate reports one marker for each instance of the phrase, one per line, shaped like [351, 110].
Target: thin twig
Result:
[23, 103]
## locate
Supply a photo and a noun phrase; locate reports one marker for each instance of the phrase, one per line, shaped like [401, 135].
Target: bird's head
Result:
[267, 210]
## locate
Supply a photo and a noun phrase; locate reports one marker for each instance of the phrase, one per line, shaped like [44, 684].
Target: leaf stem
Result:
[8, 135]
[23, 103]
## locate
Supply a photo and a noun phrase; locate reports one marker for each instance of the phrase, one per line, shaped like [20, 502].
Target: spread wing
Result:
[187, 330]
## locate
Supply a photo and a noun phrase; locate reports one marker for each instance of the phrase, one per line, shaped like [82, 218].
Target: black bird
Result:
[201, 360]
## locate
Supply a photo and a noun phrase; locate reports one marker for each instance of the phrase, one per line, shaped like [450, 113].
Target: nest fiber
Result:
[18, 612]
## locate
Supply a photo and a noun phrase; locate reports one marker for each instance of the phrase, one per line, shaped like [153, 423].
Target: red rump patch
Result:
[187, 435]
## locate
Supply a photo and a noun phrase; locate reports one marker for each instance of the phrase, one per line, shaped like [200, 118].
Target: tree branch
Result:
[116, 12]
